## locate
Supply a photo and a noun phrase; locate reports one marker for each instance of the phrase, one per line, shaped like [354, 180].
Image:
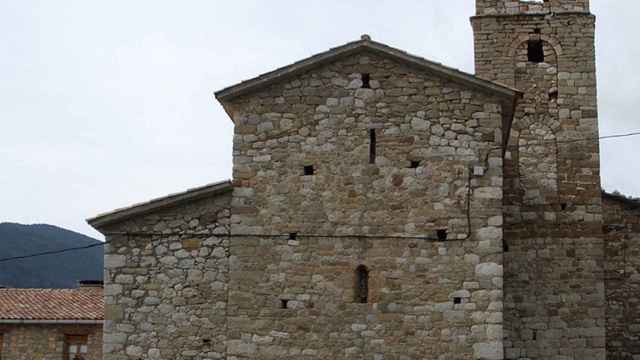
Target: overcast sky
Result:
[108, 103]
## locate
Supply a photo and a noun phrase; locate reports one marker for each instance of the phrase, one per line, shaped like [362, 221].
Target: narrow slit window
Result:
[372, 146]
[553, 95]
[362, 285]
[366, 81]
[535, 51]
[309, 170]
[284, 303]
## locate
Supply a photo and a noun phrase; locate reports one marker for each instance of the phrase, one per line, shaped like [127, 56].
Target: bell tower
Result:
[553, 249]
[515, 7]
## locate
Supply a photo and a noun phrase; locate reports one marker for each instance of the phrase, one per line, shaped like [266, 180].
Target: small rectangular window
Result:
[76, 347]
[414, 164]
[309, 170]
[372, 146]
[284, 303]
[361, 290]
[442, 234]
[536, 51]
[366, 81]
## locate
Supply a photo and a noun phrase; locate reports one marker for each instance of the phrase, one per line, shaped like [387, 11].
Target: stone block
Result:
[112, 261]
[488, 351]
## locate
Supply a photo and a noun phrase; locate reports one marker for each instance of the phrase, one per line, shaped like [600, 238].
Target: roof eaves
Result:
[287, 71]
[304, 65]
[446, 71]
[129, 212]
[630, 202]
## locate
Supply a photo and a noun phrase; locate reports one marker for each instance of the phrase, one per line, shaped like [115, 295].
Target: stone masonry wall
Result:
[622, 224]
[46, 342]
[412, 312]
[323, 119]
[178, 285]
[559, 108]
[554, 299]
[354, 212]
[166, 283]
[514, 7]
[177, 305]
[554, 249]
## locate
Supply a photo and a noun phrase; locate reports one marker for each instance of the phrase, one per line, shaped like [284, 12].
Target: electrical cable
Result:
[427, 238]
[53, 252]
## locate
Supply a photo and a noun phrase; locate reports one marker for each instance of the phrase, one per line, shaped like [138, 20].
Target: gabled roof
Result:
[365, 44]
[37, 305]
[122, 214]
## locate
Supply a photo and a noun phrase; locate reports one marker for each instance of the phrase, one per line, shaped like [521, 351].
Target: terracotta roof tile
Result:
[52, 304]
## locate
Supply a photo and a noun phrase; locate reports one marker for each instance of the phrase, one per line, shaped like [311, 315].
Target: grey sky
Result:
[108, 103]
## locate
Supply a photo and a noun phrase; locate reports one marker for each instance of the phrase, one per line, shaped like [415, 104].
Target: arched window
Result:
[536, 121]
[538, 162]
[362, 285]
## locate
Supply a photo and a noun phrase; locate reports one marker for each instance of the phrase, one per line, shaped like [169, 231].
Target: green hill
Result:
[48, 271]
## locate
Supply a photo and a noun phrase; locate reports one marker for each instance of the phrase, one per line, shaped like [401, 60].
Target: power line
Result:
[53, 252]
[621, 135]
[191, 234]
[424, 238]
[607, 137]
[311, 236]
[557, 142]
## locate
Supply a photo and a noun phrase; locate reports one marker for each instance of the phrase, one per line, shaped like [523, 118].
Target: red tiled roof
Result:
[52, 304]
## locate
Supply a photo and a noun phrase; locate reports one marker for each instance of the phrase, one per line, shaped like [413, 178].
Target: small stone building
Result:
[51, 324]
[384, 206]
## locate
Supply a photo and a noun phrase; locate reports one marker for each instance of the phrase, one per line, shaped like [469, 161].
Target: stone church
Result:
[387, 207]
